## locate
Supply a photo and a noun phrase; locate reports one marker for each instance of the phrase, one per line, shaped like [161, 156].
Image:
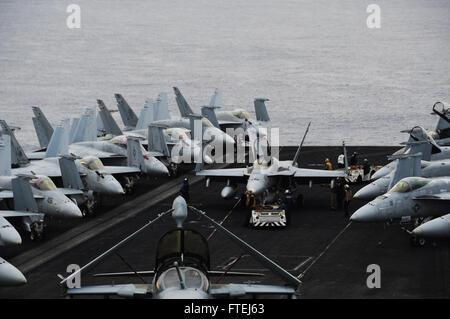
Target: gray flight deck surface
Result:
[331, 255]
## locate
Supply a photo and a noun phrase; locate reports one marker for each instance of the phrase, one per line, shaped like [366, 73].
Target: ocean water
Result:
[315, 60]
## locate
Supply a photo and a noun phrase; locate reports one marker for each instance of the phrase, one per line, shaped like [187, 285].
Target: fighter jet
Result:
[182, 266]
[10, 275]
[428, 169]
[49, 199]
[266, 175]
[83, 143]
[410, 197]
[180, 148]
[435, 228]
[95, 174]
[25, 207]
[224, 119]
[417, 134]
[160, 116]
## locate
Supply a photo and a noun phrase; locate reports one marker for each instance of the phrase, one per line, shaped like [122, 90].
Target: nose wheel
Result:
[128, 184]
[88, 208]
[173, 169]
[37, 231]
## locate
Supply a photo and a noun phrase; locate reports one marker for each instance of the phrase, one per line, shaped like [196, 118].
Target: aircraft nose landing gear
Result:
[37, 231]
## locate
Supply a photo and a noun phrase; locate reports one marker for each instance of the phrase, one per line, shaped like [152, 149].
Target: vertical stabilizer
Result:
[69, 173]
[5, 155]
[42, 126]
[157, 140]
[23, 195]
[407, 166]
[210, 113]
[109, 123]
[183, 105]
[261, 110]
[127, 114]
[18, 156]
[146, 115]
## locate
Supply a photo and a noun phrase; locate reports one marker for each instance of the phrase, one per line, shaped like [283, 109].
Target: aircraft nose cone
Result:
[382, 172]
[439, 227]
[369, 191]
[113, 187]
[367, 213]
[10, 275]
[156, 168]
[255, 188]
[9, 236]
[70, 210]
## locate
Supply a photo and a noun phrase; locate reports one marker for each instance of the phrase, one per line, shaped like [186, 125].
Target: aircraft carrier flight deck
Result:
[327, 252]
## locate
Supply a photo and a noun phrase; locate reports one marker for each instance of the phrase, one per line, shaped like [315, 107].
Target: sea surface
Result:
[315, 60]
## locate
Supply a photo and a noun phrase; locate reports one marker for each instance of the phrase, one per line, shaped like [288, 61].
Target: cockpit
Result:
[92, 163]
[177, 133]
[206, 122]
[121, 140]
[409, 184]
[192, 279]
[241, 114]
[188, 249]
[43, 183]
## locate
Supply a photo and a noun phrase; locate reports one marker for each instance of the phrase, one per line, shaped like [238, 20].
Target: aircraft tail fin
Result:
[161, 108]
[297, 153]
[146, 115]
[407, 166]
[23, 196]
[135, 157]
[261, 110]
[73, 129]
[183, 105]
[59, 143]
[216, 98]
[86, 127]
[423, 147]
[127, 114]
[42, 126]
[210, 113]
[157, 140]
[5, 155]
[444, 120]
[69, 173]
[196, 127]
[109, 123]
[18, 156]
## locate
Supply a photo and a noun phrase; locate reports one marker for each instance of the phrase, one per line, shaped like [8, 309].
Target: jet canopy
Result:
[121, 140]
[241, 114]
[206, 122]
[409, 184]
[43, 183]
[185, 246]
[192, 278]
[177, 133]
[92, 162]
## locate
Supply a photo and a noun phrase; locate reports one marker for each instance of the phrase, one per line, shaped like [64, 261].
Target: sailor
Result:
[366, 169]
[328, 164]
[340, 192]
[341, 161]
[184, 190]
[332, 195]
[251, 200]
[354, 159]
[288, 203]
[347, 198]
